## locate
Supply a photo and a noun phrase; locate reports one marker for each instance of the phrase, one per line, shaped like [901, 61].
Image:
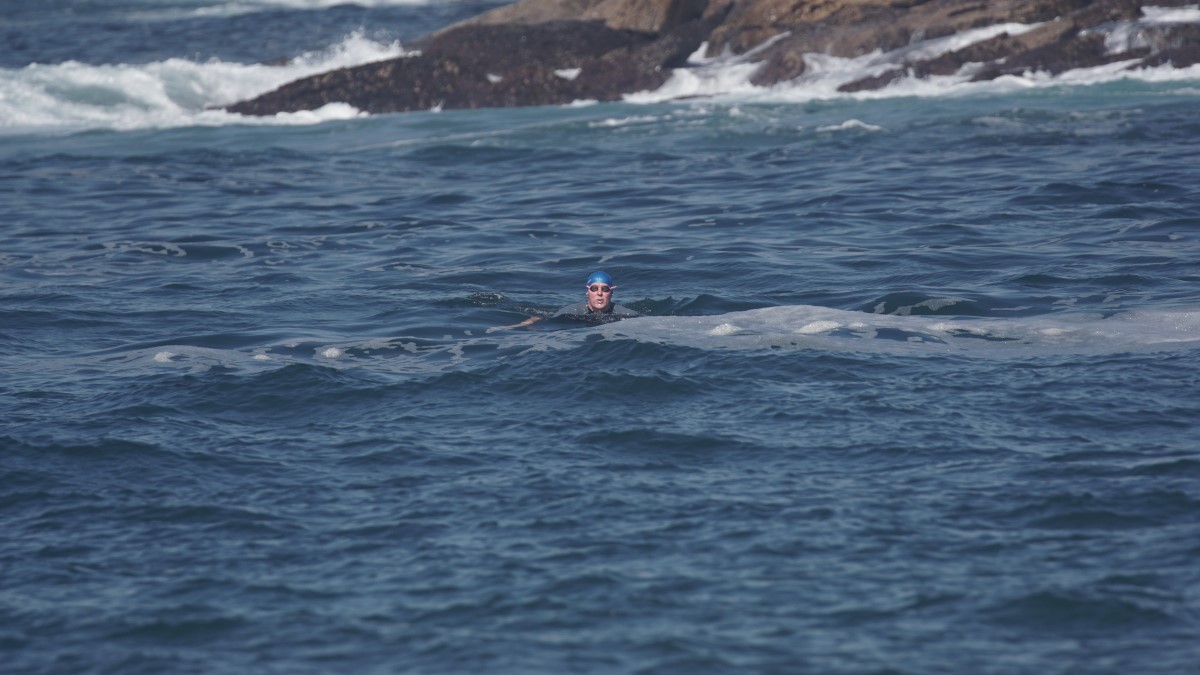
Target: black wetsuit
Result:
[580, 310]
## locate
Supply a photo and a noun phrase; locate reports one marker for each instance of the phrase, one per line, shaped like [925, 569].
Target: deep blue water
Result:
[915, 390]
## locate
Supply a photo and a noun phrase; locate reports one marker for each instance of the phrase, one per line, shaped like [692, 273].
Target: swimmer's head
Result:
[599, 291]
[599, 277]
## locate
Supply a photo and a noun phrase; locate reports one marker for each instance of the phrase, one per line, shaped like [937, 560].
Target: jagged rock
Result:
[505, 65]
[863, 27]
[540, 52]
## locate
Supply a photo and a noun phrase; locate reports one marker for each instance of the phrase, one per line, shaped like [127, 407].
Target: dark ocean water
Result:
[915, 390]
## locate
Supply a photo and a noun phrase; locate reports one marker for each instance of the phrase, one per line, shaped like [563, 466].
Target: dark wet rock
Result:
[503, 65]
[542, 52]
[469, 67]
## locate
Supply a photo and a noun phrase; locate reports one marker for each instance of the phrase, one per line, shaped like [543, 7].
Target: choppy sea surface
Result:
[915, 388]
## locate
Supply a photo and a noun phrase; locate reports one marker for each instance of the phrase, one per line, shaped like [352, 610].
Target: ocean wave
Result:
[74, 96]
[933, 332]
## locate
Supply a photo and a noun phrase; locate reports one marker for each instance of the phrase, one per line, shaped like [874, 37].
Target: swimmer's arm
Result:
[527, 322]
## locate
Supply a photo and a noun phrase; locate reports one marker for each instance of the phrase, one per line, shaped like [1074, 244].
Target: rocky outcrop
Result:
[1071, 34]
[501, 65]
[539, 52]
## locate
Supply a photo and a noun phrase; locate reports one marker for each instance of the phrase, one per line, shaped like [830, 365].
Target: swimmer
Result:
[597, 306]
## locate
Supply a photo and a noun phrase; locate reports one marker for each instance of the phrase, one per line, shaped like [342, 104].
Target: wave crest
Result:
[73, 96]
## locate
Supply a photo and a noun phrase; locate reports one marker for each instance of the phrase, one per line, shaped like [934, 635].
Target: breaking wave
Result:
[177, 92]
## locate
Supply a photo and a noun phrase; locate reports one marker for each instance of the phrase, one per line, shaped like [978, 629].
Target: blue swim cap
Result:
[599, 277]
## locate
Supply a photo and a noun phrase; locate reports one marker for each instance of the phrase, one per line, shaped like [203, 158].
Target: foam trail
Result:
[772, 329]
[177, 92]
[791, 327]
[807, 327]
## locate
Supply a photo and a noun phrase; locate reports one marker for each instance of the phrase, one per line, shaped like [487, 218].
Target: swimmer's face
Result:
[599, 296]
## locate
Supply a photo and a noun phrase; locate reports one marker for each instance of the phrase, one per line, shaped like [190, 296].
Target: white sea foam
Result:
[817, 327]
[1162, 15]
[718, 79]
[850, 125]
[176, 92]
[1126, 35]
[807, 327]
[798, 327]
[625, 121]
[724, 329]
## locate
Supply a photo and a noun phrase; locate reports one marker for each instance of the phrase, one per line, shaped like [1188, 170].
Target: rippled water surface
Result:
[914, 389]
